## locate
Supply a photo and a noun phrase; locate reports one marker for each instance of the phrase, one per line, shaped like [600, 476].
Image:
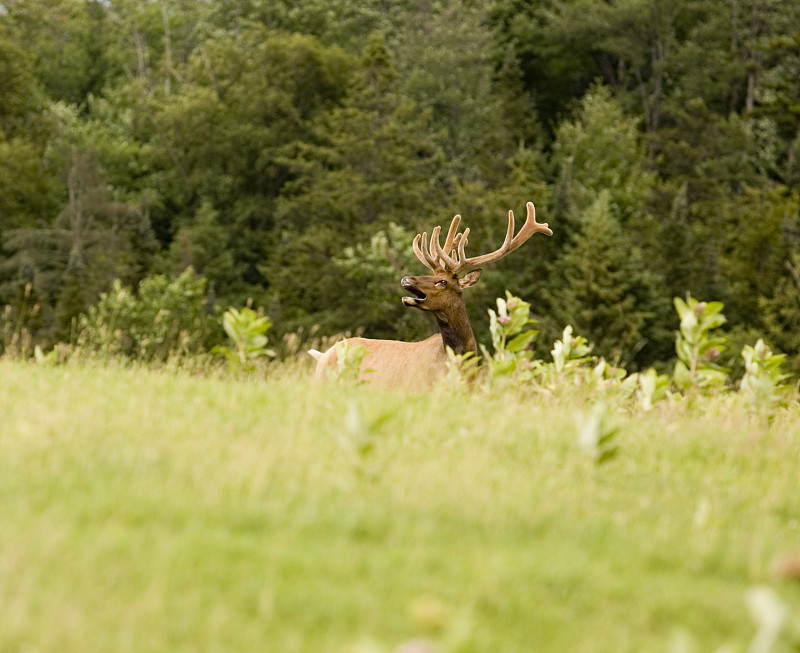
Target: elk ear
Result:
[470, 279]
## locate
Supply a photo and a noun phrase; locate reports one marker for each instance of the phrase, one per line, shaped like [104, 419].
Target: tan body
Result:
[394, 363]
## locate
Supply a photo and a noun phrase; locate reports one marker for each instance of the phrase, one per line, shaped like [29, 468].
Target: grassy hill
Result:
[158, 511]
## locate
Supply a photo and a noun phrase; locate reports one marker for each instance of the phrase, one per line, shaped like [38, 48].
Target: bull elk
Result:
[394, 363]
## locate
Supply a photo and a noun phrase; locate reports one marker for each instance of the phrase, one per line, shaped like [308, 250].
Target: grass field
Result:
[156, 511]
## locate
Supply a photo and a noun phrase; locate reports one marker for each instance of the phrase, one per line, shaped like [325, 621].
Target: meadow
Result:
[156, 510]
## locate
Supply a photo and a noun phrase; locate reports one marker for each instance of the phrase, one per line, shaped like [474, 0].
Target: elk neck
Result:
[456, 329]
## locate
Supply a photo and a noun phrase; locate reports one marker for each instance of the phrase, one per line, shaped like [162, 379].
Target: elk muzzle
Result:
[409, 283]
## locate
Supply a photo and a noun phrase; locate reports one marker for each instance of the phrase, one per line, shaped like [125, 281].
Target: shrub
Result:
[510, 340]
[697, 346]
[164, 318]
[246, 330]
[763, 377]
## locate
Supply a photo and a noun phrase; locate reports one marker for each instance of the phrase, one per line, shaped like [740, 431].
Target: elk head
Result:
[441, 292]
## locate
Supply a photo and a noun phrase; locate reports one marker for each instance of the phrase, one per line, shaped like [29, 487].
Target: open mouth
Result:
[418, 295]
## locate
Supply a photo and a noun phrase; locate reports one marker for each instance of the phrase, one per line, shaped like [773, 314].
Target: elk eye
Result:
[440, 284]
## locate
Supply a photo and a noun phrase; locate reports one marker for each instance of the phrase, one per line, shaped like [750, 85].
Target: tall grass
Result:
[151, 510]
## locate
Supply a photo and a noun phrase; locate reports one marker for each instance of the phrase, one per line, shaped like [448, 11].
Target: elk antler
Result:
[429, 256]
[451, 257]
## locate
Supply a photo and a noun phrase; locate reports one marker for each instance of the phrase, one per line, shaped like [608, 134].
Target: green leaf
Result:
[520, 342]
[680, 307]
[682, 377]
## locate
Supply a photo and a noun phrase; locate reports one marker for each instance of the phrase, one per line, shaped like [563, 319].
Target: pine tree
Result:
[600, 150]
[203, 244]
[600, 285]
[372, 166]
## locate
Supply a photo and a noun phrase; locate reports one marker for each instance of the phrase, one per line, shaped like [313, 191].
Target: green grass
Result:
[154, 511]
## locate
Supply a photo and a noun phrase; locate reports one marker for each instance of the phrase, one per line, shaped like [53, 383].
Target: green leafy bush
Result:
[570, 358]
[348, 363]
[462, 369]
[570, 352]
[763, 378]
[246, 330]
[510, 340]
[651, 388]
[164, 318]
[697, 347]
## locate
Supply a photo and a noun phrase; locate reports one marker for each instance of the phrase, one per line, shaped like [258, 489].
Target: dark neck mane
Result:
[456, 330]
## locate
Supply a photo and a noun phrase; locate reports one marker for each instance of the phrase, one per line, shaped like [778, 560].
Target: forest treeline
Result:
[288, 150]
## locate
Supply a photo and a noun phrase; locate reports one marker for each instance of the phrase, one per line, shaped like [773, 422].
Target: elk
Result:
[393, 363]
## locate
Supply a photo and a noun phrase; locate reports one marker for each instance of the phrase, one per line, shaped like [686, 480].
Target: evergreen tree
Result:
[600, 150]
[69, 39]
[203, 244]
[756, 248]
[448, 65]
[781, 313]
[94, 238]
[373, 166]
[600, 285]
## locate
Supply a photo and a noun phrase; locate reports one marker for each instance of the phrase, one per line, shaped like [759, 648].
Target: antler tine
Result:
[421, 251]
[529, 228]
[443, 255]
[436, 258]
[431, 252]
[451, 234]
[509, 244]
[462, 243]
[427, 249]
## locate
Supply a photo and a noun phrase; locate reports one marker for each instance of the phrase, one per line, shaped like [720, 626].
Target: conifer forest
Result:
[282, 154]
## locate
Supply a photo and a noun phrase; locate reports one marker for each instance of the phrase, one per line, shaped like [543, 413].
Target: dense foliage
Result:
[287, 150]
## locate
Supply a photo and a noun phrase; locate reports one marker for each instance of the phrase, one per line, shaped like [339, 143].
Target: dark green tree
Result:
[203, 243]
[448, 64]
[605, 282]
[225, 138]
[781, 313]
[602, 287]
[600, 150]
[69, 38]
[372, 165]
[92, 238]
